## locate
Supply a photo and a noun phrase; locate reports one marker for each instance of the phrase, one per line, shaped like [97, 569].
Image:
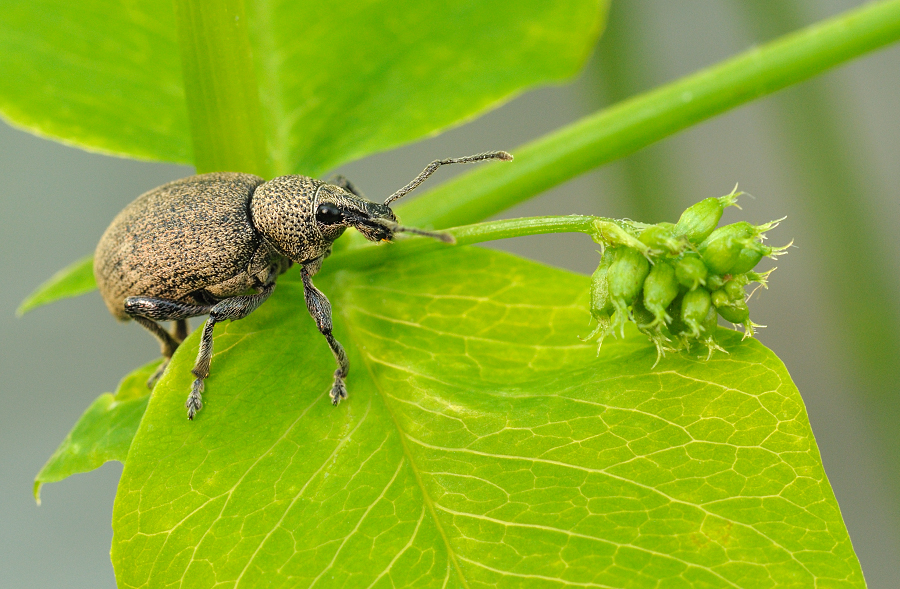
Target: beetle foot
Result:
[338, 390]
[151, 382]
[194, 404]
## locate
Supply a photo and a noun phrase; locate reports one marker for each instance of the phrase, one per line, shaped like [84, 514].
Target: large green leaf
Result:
[102, 75]
[103, 433]
[337, 80]
[482, 445]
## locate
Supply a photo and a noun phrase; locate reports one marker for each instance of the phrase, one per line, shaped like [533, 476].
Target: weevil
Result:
[214, 244]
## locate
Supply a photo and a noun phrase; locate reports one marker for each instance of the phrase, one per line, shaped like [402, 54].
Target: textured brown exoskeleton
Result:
[215, 244]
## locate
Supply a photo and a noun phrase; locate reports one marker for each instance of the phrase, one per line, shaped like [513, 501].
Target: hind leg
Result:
[180, 330]
[148, 311]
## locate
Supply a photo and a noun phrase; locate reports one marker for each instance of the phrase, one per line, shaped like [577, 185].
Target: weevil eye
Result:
[328, 214]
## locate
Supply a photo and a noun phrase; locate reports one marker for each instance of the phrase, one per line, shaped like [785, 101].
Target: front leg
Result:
[233, 308]
[320, 309]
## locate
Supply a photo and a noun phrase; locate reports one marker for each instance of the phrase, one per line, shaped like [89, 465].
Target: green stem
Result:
[635, 123]
[220, 87]
[364, 253]
[507, 228]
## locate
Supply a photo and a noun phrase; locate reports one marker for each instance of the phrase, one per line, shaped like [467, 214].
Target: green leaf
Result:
[336, 80]
[101, 75]
[482, 445]
[75, 279]
[103, 433]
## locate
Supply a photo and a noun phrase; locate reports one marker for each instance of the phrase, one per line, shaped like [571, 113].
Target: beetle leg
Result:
[342, 182]
[148, 310]
[180, 330]
[167, 343]
[162, 309]
[320, 309]
[232, 308]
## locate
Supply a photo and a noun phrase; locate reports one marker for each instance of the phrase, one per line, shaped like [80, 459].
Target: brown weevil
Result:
[215, 244]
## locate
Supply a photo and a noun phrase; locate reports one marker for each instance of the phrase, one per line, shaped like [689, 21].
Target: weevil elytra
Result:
[216, 243]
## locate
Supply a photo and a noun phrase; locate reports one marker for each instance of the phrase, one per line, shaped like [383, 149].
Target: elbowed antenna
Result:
[428, 171]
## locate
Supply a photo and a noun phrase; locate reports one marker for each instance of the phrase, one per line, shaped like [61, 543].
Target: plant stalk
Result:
[635, 123]
[360, 253]
[220, 87]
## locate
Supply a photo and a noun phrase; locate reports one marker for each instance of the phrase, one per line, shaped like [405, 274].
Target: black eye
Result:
[328, 214]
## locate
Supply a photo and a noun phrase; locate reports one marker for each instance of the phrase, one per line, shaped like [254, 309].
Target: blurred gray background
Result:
[825, 153]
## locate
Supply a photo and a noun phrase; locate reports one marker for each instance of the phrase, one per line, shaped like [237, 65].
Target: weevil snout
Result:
[376, 222]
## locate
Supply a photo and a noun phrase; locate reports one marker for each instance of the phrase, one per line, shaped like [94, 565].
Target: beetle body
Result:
[188, 241]
[215, 244]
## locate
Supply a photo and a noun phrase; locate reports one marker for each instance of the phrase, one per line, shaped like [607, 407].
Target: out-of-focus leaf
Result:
[101, 75]
[75, 279]
[103, 433]
[337, 80]
[482, 445]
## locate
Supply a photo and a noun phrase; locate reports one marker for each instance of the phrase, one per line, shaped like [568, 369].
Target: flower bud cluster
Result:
[675, 280]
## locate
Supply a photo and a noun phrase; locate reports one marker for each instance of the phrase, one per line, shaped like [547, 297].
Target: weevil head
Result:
[376, 222]
[301, 217]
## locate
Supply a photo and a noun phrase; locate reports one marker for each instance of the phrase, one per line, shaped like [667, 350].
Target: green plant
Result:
[483, 443]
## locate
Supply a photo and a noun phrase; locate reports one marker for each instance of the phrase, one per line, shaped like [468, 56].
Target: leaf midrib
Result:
[403, 443]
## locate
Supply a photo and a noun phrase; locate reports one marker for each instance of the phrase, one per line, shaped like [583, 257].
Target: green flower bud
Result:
[616, 233]
[716, 281]
[719, 298]
[734, 288]
[676, 325]
[709, 328]
[753, 253]
[601, 301]
[722, 249]
[711, 323]
[699, 220]
[736, 312]
[691, 272]
[750, 256]
[626, 277]
[660, 289]
[694, 308]
[641, 315]
[731, 304]
[661, 238]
